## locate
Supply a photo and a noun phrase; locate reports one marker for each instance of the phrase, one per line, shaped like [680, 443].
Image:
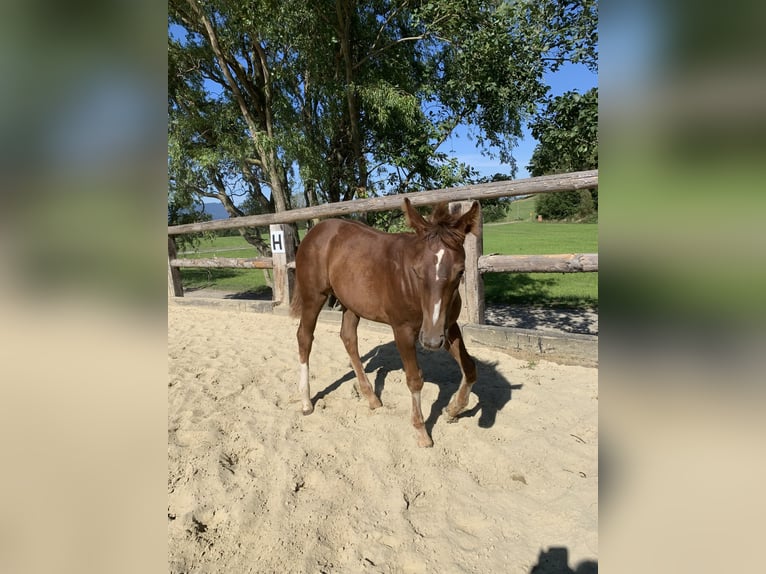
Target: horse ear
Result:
[414, 219]
[470, 220]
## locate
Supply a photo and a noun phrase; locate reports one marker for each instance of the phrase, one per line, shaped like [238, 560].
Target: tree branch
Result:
[213, 37]
[374, 53]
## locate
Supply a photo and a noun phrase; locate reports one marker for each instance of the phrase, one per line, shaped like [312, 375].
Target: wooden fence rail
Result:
[225, 262]
[566, 263]
[544, 184]
[471, 289]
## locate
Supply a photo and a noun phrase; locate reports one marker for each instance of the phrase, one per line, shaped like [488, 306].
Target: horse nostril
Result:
[431, 343]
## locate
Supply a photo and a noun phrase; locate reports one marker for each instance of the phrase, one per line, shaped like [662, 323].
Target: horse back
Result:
[338, 239]
[363, 267]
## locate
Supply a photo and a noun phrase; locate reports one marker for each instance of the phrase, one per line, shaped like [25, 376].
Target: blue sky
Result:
[569, 77]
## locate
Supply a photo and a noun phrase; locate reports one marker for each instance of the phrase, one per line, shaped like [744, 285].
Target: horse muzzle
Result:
[432, 343]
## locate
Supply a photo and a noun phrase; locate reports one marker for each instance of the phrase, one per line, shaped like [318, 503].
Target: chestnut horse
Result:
[409, 281]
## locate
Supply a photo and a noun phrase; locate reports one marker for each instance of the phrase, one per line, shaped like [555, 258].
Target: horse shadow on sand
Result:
[491, 388]
[555, 560]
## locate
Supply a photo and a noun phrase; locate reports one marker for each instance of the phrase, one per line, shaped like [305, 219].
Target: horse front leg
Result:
[349, 336]
[467, 365]
[405, 342]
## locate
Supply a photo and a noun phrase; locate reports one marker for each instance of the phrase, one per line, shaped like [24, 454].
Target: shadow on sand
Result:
[492, 388]
[555, 560]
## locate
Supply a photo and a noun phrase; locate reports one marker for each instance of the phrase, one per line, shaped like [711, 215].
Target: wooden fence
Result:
[471, 289]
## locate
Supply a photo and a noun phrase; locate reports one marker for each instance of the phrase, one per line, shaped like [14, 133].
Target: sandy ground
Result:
[254, 486]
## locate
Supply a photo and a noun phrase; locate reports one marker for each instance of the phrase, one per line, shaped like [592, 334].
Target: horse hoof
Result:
[375, 405]
[449, 417]
[308, 411]
[425, 443]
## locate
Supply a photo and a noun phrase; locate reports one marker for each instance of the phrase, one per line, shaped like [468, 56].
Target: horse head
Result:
[438, 266]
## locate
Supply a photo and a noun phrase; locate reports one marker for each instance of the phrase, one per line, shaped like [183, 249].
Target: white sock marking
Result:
[416, 400]
[303, 386]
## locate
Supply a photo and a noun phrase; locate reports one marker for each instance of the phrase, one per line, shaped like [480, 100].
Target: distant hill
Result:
[216, 210]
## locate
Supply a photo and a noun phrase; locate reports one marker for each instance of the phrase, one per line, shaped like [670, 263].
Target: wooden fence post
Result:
[175, 288]
[472, 286]
[282, 253]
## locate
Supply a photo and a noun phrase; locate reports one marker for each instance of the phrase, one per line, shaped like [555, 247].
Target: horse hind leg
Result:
[309, 312]
[350, 341]
[467, 367]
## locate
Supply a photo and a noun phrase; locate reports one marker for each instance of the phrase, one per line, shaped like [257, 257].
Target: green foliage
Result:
[569, 205]
[564, 30]
[187, 212]
[567, 130]
[579, 206]
[353, 98]
[493, 210]
[558, 206]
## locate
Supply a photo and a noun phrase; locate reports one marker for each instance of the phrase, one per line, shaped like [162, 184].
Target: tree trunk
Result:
[257, 127]
[344, 10]
[310, 193]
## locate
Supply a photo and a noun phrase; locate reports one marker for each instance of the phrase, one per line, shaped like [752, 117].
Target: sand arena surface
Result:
[254, 486]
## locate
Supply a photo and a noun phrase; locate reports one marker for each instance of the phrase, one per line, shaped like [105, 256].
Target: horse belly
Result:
[362, 283]
[363, 295]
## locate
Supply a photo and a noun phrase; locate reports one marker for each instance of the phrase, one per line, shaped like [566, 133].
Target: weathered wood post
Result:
[472, 286]
[282, 253]
[175, 288]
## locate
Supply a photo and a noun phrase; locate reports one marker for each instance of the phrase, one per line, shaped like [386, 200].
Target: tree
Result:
[567, 132]
[353, 99]
[561, 30]
[187, 213]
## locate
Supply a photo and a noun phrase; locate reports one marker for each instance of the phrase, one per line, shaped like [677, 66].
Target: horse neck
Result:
[411, 249]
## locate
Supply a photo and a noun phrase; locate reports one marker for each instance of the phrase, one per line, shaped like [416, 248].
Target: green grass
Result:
[519, 238]
[533, 238]
[521, 210]
[541, 289]
[235, 280]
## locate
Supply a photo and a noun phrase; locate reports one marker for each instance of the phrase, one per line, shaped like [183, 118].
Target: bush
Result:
[579, 205]
[558, 205]
[494, 209]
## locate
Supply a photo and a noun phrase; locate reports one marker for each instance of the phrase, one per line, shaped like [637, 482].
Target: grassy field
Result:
[515, 238]
[521, 210]
[544, 289]
[235, 280]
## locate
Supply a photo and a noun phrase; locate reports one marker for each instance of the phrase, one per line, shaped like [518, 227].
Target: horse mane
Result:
[442, 227]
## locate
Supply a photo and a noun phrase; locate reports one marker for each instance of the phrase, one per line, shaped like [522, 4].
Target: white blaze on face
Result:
[437, 308]
[439, 256]
[438, 305]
